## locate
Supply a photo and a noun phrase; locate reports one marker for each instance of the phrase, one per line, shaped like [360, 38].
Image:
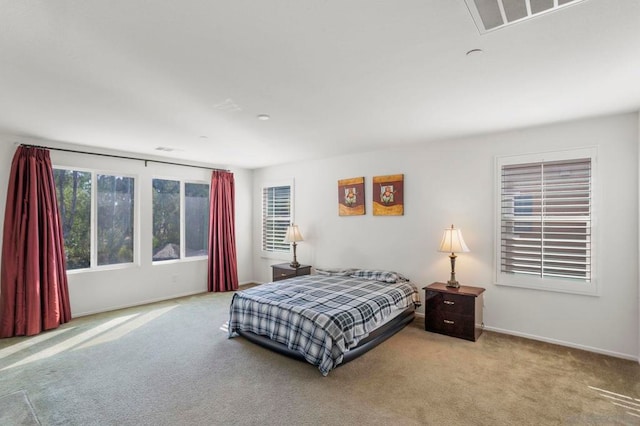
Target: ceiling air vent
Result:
[490, 15]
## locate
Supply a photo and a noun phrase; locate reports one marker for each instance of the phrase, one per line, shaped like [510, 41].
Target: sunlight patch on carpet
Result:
[103, 333]
[100, 334]
[127, 327]
[29, 342]
[71, 342]
[225, 327]
[624, 401]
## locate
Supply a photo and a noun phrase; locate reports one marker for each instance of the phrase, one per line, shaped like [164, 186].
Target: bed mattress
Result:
[320, 317]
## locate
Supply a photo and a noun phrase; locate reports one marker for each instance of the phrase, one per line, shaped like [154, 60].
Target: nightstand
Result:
[455, 312]
[283, 271]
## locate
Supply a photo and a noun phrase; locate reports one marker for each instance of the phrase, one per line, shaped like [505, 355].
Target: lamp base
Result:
[295, 263]
[453, 284]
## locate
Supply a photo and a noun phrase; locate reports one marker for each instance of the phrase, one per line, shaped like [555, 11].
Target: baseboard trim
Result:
[147, 301]
[564, 343]
[557, 342]
[131, 305]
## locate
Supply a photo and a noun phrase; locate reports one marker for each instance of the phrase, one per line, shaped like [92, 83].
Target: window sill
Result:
[102, 268]
[558, 286]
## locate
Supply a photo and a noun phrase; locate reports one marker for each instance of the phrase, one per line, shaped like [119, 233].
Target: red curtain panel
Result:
[34, 295]
[223, 264]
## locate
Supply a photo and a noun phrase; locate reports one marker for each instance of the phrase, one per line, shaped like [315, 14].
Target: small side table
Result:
[282, 271]
[455, 312]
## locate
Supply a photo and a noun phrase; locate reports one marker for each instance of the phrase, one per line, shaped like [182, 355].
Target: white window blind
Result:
[545, 219]
[276, 217]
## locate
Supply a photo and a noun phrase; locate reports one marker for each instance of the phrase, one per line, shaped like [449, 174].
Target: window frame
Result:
[183, 248]
[183, 218]
[555, 284]
[276, 254]
[93, 226]
[135, 227]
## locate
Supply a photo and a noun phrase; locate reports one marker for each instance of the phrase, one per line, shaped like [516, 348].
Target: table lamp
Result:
[453, 242]
[293, 235]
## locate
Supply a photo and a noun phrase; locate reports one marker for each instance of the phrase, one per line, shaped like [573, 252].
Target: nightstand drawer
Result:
[283, 271]
[451, 303]
[282, 274]
[451, 324]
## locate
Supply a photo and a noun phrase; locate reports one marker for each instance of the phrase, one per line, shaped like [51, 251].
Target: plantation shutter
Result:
[546, 219]
[276, 217]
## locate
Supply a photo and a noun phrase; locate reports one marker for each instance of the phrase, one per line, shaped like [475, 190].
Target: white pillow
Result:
[378, 275]
[341, 272]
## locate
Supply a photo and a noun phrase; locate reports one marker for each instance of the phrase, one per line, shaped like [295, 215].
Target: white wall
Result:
[97, 291]
[452, 182]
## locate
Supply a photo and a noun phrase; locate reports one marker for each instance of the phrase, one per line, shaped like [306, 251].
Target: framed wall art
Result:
[351, 196]
[388, 195]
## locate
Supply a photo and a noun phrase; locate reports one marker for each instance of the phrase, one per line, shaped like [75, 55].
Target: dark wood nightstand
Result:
[455, 312]
[283, 271]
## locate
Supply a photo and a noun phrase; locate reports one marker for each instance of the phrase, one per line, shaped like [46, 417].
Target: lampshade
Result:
[452, 241]
[293, 234]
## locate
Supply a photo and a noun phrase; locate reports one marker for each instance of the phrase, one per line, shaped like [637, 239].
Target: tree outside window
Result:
[166, 219]
[115, 219]
[196, 209]
[73, 191]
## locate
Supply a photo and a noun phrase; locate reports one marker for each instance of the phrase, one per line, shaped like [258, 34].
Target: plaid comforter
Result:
[319, 316]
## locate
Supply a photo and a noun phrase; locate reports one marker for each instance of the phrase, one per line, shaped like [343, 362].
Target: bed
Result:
[325, 319]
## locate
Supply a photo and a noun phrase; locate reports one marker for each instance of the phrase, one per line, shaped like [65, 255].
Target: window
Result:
[115, 219]
[180, 219]
[73, 191]
[544, 229]
[196, 211]
[276, 217]
[97, 234]
[166, 219]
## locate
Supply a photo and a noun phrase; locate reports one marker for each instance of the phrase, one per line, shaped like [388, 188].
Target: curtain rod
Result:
[123, 157]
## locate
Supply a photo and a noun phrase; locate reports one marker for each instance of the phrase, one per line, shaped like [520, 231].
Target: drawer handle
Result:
[283, 275]
[448, 322]
[449, 302]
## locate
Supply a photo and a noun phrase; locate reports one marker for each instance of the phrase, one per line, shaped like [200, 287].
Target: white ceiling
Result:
[336, 76]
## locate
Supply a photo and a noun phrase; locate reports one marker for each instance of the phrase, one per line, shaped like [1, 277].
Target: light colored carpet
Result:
[16, 409]
[171, 363]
